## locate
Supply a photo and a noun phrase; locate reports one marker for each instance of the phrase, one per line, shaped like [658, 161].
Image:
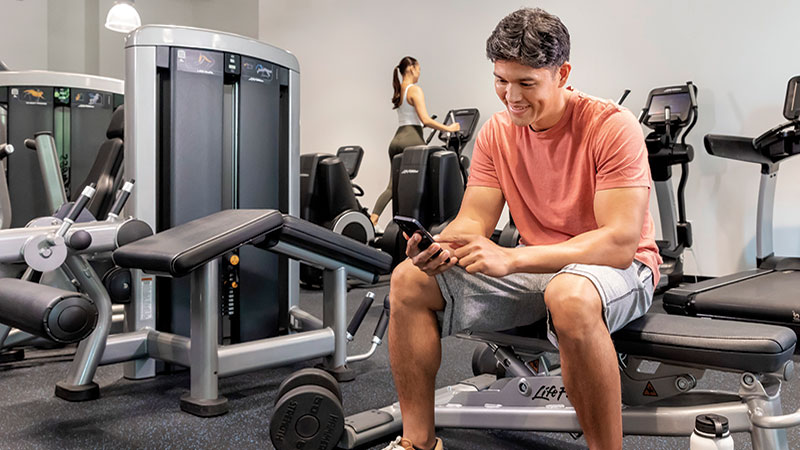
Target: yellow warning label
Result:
[649, 390]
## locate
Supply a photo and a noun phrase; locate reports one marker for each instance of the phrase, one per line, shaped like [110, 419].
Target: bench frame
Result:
[537, 402]
[207, 360]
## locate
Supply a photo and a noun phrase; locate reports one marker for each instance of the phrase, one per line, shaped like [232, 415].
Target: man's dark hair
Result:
[529, 36]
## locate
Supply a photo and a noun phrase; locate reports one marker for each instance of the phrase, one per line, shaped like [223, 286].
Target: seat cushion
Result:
[721, 344]
[323, 241]
[180, 250]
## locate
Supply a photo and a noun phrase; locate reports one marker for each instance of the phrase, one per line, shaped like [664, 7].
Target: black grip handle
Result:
[30, 143]
[86, 195]
[383, 322]
[361, 312]
[122, 198]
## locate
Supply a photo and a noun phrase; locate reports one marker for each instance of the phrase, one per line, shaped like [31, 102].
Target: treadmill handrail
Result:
[736, 147]
[714, 283]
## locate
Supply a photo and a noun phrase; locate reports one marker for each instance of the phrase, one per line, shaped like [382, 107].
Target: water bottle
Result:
[711, 432]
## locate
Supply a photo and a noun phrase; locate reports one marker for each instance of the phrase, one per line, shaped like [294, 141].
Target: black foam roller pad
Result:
[45, 311]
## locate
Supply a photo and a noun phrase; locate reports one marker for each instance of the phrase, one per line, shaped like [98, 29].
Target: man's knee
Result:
[574, 305]
[412, 288]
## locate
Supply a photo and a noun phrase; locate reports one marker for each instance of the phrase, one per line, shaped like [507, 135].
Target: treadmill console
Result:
[784, 140]
[791, 106]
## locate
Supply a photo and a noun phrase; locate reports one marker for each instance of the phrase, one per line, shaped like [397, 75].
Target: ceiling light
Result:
[123, 17]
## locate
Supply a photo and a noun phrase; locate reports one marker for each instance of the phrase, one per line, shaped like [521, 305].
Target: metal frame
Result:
[104, 239]
[206, 359]
[764, 214]
[517, 403]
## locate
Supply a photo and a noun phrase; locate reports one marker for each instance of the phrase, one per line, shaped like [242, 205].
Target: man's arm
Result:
[479, 212]
[620, 215]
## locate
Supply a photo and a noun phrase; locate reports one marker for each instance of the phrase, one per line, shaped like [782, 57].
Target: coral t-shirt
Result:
[549, 178]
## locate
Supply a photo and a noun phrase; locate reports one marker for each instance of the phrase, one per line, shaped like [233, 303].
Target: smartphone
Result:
[410, 225]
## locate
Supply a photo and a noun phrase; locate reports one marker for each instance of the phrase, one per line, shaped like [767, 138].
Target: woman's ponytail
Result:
[397, 74]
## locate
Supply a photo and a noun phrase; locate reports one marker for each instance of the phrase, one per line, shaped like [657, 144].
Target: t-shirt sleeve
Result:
[482, 170]
[620, 153]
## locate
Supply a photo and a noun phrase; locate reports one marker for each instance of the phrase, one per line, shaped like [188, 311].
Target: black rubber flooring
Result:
[146, 414]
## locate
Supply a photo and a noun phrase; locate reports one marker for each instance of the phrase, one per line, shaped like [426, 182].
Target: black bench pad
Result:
[722, 344]
[325, 242]
[180, 250]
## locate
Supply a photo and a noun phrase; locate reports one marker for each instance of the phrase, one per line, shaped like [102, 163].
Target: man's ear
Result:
[563, 73]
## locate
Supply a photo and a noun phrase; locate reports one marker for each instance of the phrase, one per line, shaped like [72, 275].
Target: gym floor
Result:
[146, 414]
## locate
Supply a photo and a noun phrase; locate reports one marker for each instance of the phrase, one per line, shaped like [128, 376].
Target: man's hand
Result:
[478, 254]
[425, 260]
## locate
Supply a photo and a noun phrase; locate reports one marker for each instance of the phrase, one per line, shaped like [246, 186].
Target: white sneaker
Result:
[405, 444]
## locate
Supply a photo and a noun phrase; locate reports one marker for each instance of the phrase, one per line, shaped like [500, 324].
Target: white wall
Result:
[23, 34]
[738, 52]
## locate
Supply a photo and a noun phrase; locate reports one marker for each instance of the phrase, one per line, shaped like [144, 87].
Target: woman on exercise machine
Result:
[409, 101]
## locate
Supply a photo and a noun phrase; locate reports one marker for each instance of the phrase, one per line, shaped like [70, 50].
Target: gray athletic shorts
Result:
[482, 303]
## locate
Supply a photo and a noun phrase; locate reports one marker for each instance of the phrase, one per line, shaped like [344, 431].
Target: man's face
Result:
[532, 96]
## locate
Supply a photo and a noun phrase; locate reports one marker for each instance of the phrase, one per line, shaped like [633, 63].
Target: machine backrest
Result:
[308, 181]
[105, 171]
[409, 180]
[325, 189]
[427, 184]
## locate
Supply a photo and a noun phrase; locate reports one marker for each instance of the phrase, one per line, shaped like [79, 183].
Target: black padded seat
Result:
[720, 344]
[323, 241]
[180, 250]
[705, 343]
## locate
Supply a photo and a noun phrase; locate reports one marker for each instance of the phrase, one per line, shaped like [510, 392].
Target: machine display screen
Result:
[465, 120]
[679, 105]
[349, 160]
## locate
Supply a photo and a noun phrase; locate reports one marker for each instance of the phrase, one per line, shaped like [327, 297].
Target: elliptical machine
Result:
[428, 182]
[670, 112]
[328, 197]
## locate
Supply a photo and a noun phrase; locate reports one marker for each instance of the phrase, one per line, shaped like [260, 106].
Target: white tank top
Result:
[406, 114]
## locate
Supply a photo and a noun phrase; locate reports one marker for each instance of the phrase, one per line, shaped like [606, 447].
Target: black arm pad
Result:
[45, 311]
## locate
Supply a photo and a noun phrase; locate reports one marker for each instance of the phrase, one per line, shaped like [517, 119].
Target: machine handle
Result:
[361, 312]
[5, 150]
[72, 216]
[624, 96]
[86, 195]
[383, 322]
[30, 143]
[124, 193]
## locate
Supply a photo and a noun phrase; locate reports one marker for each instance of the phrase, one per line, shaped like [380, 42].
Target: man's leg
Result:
[588, 359]
[415, 349]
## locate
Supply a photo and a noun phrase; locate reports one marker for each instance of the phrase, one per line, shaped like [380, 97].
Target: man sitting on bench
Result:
[574, 172]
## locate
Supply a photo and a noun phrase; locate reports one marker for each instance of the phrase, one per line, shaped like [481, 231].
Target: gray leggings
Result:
[406, 136]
